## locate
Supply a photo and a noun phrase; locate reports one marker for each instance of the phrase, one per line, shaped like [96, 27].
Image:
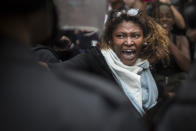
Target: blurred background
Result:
[81, 12]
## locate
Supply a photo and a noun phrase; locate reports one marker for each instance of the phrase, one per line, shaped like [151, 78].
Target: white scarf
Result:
[127, 77]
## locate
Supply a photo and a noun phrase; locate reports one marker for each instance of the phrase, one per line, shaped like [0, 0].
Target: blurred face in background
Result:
[127, 40]
[115, 4]
[166, 17]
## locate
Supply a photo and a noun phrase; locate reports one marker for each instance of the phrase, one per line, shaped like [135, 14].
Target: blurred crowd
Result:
[81, 38]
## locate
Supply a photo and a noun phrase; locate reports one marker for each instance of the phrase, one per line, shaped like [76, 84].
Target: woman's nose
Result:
[129, 41]
[164, 18]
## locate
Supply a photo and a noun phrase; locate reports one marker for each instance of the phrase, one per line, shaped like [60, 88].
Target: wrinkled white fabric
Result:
[129, 77]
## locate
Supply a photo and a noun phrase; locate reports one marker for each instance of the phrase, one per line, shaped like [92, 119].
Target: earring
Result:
[145, 43]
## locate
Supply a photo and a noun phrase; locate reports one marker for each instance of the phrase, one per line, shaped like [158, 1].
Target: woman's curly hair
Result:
[154, 35]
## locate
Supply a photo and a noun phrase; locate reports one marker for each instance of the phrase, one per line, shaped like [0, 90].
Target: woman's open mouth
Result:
[128, 54]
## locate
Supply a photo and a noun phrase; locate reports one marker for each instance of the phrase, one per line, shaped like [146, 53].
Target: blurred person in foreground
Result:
[130, 43]
[32, 98]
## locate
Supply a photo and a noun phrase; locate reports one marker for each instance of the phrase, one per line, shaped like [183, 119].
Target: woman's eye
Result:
[169, 16]
[135, 35]
[120, 36]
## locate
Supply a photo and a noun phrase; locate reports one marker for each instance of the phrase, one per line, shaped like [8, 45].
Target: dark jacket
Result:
[45, 54]
[93, 61]
[33, 98]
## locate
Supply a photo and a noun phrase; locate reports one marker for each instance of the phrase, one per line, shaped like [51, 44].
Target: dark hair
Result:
[154, 35]
[113, 22]
[55, 21]
[22, 6]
